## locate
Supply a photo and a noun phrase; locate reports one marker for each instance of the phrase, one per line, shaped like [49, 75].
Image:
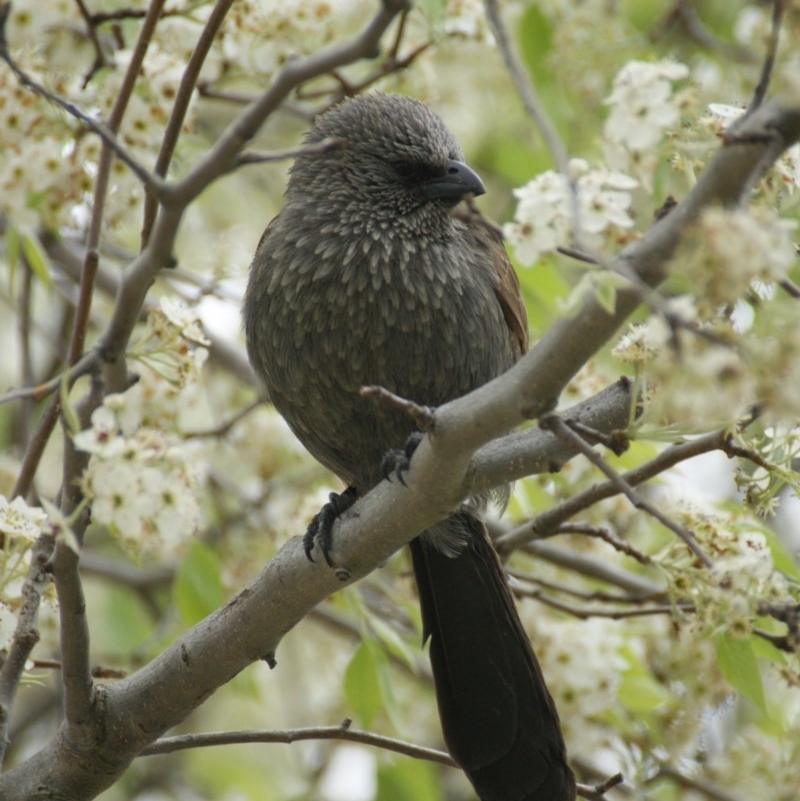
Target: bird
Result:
[375, 273]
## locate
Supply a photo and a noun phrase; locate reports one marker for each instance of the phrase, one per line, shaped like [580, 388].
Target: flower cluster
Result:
[547, 210]
[44, 181]
[643, 105]
[583, 680]
[743, 576]
[41, 179]
[728, 252]
[172, 345]
[140, 481]
[257, 38]
[20, 525]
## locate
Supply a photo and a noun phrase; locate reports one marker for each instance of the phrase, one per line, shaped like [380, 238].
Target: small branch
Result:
[423, 416]
[563, 430]
[167, 745]
[391, 64]
[588, 596]
[585, 613]
[74, 637]
[100, 59]
[790, 288]
[181, 106]
[548, 522]
[24, 329]
[695, 783]
[597, 569]
[598, 791]
[531, 450]
[25, 635]
[760, 92]
[35, 449]
[84, 366]
[602, 533]
[683, 13]
[224, 427]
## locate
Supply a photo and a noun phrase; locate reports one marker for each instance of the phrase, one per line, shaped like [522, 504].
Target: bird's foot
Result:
[397, 461]
[320, 529]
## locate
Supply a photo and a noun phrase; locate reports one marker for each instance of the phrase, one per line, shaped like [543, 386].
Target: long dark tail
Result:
[498, 719]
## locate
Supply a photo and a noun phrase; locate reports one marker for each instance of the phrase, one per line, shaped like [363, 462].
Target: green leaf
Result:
[781, 557]
[535, 42]
[737, 661]
[36, 258]
[408, 780]
[71, 418]
[392, 641]
[197, 589]
[641, 693]
[362, 685]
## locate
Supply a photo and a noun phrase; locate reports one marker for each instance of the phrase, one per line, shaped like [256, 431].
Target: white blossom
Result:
[20, 521]
[642, 103]
[543, 218]
[141, 480]
[728, 252]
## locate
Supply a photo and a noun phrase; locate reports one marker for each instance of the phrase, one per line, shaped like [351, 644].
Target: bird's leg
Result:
[397, 460]
[320, 529]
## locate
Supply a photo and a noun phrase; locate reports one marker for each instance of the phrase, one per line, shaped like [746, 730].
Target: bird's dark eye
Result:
[411, 171]
[405, 169]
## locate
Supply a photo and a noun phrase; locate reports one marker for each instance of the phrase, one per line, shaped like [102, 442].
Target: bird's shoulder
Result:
[486, 238]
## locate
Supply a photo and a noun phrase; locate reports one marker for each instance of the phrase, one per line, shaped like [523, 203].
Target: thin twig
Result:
[587, 612]
[562, 429]
[760, 92]
[181, 106]
[224, 427]
[25, 635]
[684, 13]
[421, 415]
[789, 287]
[548, 522]
[602, 533]
[707, 788]
[85, 365]
[598, 792]
[76, 673]
[167, 745]
[100, 59]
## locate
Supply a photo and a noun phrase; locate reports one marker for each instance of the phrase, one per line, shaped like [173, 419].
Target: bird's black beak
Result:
[455, 183]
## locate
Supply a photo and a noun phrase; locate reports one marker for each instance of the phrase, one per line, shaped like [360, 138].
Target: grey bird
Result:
[371, 274]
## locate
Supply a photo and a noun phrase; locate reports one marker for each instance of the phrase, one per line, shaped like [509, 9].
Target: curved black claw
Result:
[320, 529]
[397, 461]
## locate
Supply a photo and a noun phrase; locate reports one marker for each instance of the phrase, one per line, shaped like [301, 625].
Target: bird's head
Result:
[395, 160]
